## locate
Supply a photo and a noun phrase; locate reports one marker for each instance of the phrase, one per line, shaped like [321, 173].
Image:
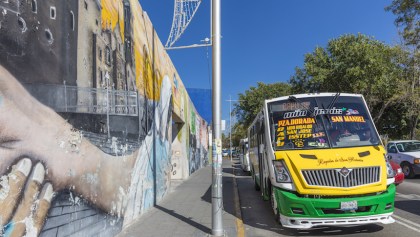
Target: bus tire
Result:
[274, 204]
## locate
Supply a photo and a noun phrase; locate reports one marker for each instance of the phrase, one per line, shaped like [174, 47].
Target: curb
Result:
[238, 214]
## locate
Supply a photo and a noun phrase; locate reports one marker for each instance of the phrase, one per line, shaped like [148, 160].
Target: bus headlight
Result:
[389, 170]
[280, 170]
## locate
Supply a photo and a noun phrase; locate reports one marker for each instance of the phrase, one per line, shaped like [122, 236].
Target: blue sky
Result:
[265, 40]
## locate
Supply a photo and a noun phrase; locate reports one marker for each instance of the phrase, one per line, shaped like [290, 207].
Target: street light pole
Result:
[217, 195]
[230, 128]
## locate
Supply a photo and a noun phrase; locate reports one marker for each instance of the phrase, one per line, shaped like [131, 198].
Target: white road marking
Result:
[10, 10]
[406, 223]
[408, 196]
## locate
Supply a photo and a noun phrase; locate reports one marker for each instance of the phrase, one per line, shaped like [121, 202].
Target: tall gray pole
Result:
[230, 127]
[217, 195]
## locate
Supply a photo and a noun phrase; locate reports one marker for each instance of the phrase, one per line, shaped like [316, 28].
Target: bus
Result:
[243, 155]
[318, 158]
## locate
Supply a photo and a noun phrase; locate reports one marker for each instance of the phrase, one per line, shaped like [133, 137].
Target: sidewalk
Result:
[187, 210]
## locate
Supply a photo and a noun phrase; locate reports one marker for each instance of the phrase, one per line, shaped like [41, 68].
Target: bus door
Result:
[261, 148]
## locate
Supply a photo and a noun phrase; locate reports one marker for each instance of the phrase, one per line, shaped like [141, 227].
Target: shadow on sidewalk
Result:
[185, 219]
[228, 195]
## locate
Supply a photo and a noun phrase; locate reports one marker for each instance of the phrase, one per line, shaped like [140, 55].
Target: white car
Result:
[407, 154]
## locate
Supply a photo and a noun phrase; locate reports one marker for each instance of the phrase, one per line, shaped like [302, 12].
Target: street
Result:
[258, 219]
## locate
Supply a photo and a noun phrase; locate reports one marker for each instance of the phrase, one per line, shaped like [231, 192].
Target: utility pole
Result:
[216, 194]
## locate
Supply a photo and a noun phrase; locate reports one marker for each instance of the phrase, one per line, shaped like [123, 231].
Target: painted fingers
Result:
[24, 199]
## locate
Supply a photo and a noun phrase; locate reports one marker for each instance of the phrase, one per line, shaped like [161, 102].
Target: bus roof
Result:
[299, 96]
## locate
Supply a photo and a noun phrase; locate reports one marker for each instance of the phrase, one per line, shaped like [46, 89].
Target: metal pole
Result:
[217, 195]
[65, 94]
[107, 104]
[230, 127]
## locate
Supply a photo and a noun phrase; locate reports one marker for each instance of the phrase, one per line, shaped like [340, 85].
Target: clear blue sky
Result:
[265, 40]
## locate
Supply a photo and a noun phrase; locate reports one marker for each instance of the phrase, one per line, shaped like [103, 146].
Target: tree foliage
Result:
[250, 102]
[363, 65]
[408, 17]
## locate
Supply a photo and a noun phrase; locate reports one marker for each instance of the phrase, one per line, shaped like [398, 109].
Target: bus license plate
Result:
[348, 206]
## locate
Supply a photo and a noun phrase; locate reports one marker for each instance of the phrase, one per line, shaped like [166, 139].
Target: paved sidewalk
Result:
[187, 210]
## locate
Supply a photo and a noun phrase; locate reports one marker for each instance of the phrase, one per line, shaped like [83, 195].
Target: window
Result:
[72, 20]
[305, 123]
[108, 55]
[22, 24]
[101, 76]
[34, 6]
[49, 36]
[52, 13]
[86, 5]
[392, 149]
[100, 54]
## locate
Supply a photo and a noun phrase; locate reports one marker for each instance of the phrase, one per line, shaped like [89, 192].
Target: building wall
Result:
[93, 97]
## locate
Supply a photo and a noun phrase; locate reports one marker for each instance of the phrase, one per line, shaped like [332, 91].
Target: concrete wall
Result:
[93, 98]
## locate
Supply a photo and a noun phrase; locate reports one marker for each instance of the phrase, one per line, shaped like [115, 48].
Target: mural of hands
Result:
[24, 199]
[43, 55]
[113, 184]
[30, 129]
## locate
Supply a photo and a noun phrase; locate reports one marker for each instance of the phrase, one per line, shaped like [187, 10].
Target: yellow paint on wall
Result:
[139, 64]
[148, 82]
[113, 14]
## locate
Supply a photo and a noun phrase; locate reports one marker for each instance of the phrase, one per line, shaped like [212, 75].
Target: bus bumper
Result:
[304, 213]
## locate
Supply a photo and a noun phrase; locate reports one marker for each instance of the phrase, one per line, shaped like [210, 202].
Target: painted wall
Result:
[94, 118]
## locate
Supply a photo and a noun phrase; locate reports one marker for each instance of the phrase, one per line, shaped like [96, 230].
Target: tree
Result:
[239, 132]
[357, 64]
[408, 17]
[250, 103]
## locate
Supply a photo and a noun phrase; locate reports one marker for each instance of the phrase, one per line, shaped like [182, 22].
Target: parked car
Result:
[399, 175]
[225, 152]
[406, 153]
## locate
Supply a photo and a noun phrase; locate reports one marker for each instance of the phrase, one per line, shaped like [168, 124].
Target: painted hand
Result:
[30, 129]
[23, 208]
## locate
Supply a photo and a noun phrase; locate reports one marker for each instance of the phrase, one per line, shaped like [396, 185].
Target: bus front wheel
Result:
[274, 205]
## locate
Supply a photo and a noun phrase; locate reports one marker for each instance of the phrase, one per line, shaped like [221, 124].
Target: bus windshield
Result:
[321, 122]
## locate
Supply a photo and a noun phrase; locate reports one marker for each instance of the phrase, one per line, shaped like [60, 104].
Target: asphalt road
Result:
[258, 219]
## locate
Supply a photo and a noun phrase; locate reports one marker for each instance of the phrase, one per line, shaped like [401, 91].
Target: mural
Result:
[94, 119]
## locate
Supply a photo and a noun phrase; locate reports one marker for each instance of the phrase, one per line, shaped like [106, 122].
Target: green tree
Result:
[239, 132]
[408, 17]
[357, 64]
[250, 102]
[225, 141]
